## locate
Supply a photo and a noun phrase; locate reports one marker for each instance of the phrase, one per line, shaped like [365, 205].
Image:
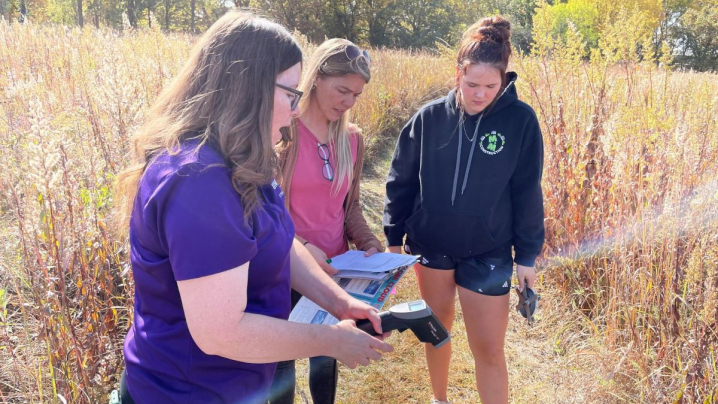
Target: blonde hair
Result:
[224, 96]
[330, 60]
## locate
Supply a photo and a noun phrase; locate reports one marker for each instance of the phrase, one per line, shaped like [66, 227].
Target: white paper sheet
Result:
[372, 292]
[379, 262]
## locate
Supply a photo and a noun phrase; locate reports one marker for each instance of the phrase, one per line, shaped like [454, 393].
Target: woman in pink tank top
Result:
[320, 165]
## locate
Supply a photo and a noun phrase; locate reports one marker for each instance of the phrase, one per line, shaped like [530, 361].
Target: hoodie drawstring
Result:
[458, 158]
[458, 162]
[471, 152]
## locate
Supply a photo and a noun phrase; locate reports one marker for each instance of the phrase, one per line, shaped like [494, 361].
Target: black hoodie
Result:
[443, 207]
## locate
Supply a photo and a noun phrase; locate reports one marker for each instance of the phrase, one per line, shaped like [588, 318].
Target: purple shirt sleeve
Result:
[200, 222]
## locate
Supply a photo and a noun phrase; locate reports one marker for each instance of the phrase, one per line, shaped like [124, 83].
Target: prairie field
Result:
[629, 273]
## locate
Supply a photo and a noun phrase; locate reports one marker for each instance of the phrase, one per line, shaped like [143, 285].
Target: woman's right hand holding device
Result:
[354, 347]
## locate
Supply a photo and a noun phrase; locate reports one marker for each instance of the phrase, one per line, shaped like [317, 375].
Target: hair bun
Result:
[496, 29]
[486, 41]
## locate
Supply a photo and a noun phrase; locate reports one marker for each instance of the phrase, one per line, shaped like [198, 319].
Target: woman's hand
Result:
[353, 309]
[396, 249]
[525, 275]
[321, 258]
[355, 347]
[358, 349]
[371, 251]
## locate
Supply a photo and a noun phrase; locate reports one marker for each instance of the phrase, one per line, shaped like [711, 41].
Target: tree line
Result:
[685, 29]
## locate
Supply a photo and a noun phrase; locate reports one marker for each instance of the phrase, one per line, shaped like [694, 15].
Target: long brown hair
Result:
[488, 42]
[224, 95]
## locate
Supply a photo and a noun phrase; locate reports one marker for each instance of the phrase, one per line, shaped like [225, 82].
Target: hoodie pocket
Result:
[451, 234]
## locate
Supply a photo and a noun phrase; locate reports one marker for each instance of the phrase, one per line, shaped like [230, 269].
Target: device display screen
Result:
[415, 306]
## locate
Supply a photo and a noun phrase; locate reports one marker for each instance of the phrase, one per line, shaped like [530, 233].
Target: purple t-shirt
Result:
[187, 223]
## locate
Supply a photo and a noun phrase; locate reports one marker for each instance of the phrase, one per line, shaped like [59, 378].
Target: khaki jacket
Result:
[356, 230]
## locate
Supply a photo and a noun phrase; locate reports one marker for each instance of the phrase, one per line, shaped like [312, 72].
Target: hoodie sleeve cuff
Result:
[525, 260]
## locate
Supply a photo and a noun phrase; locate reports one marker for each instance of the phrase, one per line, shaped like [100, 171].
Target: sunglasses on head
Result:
[297, 95]
[352, 52]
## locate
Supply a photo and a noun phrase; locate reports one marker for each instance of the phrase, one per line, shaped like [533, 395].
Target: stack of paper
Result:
[369, 279]
[353, 264]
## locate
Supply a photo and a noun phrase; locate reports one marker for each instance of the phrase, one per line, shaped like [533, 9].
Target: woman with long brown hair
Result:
[321, 164]
[464, 187]
[212, 246]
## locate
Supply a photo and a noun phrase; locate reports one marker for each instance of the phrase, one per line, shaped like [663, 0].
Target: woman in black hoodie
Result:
[465, 188]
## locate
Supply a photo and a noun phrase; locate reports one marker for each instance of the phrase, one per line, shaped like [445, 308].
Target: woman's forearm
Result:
[214, 308]
[262, 339]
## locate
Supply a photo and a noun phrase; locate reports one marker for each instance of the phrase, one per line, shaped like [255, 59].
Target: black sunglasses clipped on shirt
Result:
[297, 95]
[327, 169]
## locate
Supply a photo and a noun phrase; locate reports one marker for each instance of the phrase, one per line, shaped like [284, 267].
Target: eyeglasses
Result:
[327, 169]
[352, 52]
[297, 95]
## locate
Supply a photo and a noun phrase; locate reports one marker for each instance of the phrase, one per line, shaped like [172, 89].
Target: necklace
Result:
[476, 131]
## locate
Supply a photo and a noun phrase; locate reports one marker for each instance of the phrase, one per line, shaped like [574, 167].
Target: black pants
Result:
[323, 377]
[124, 394]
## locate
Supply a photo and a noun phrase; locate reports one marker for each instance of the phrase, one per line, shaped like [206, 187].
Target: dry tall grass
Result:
[632, 216]
[631, 205]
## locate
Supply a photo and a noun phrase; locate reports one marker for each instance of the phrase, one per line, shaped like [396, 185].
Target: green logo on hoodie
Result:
[492, 143]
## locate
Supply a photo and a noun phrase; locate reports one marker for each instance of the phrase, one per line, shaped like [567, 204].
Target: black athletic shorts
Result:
[488, 274]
